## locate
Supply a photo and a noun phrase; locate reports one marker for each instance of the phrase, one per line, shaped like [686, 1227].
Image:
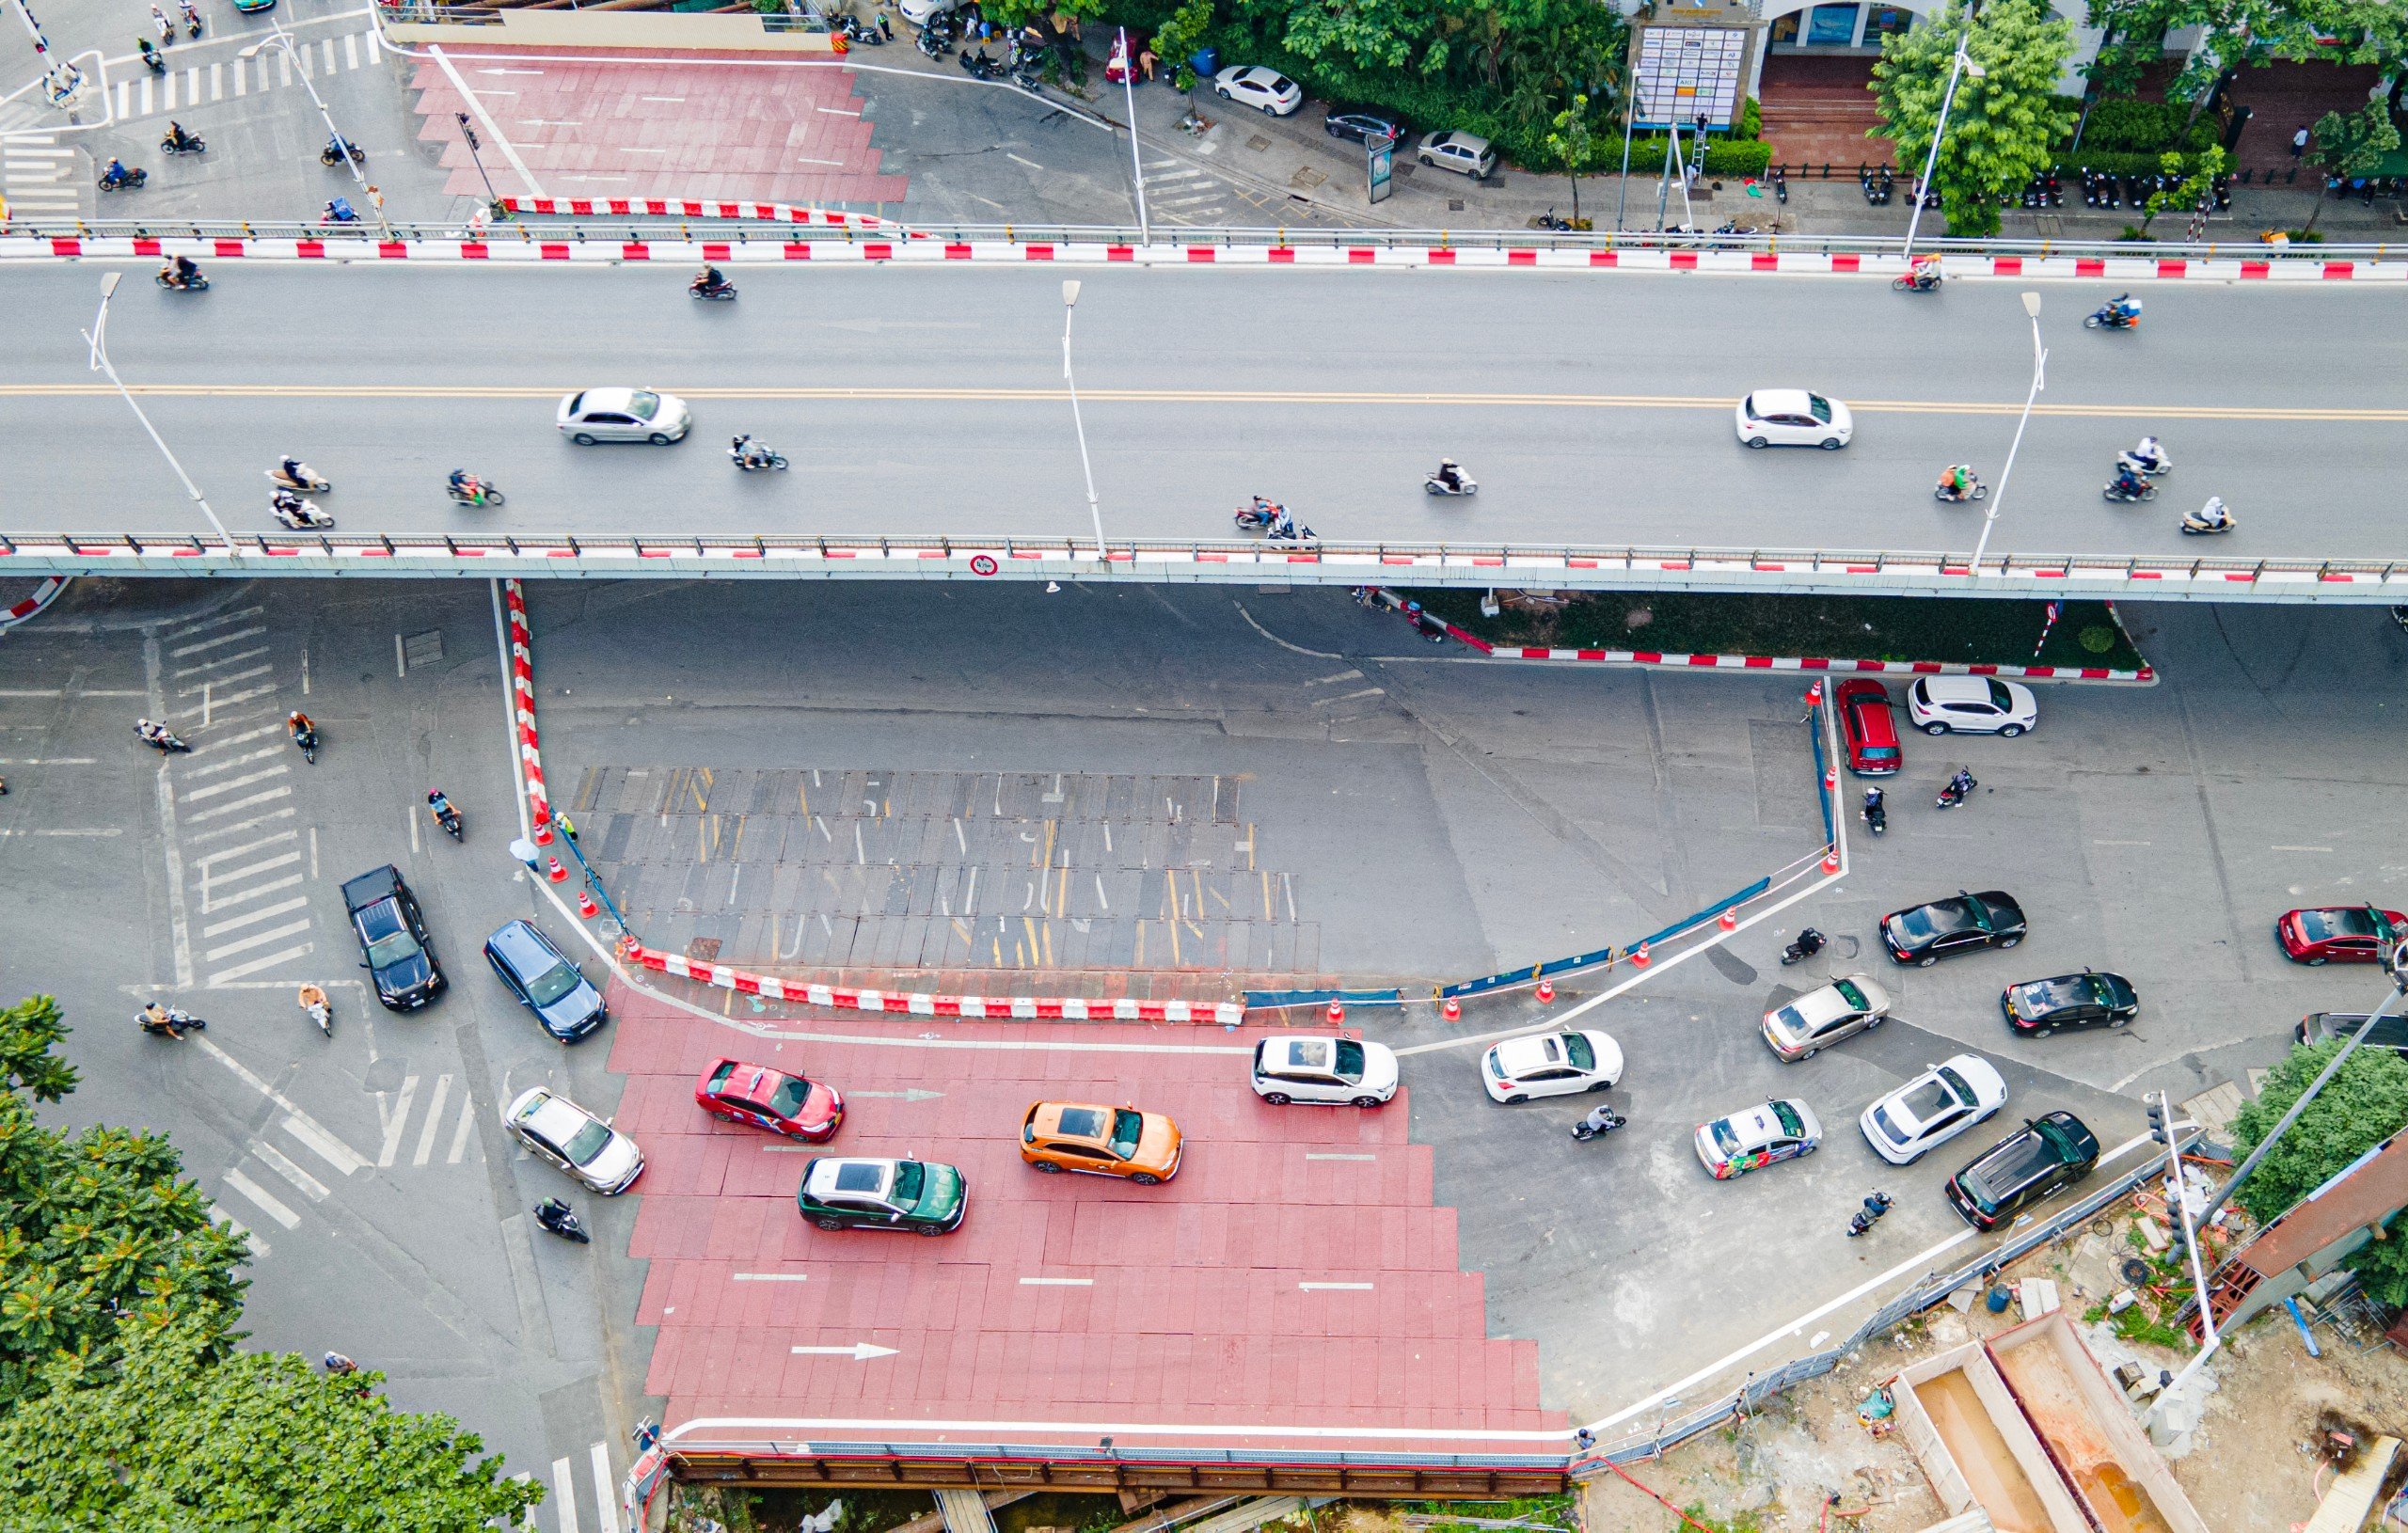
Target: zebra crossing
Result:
[1178, 193]
[566, 1505]
[231, 79]
[38, 177]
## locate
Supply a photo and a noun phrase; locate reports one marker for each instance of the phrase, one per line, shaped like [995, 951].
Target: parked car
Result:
[2325, 1026]
[1869, 728]
[920, 12]
[1794, 417]
[398, 953]
[545, 981]
[1971, 705]
[1925, 934]
[2046, 1155]
[1465, 154]
[2038, 1007]
[1320, 1067]
[1933, 1108]
[1144, 1147]
[580, 1143]
[861, 1193]
[1256, 85]
[623, 415]
[735, 1091]
[1363, 123]
[1820, 1017]
[1781, 1130]
[2340, 934]
[1550, 1065]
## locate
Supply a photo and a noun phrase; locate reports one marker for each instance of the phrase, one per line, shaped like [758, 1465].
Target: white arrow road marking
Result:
[916, 1094]
[860, 1352]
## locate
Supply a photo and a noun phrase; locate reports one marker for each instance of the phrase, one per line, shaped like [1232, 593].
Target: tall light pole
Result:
[1963, 67]
[98, 338]
[2040, 379]
[1069, 305]
[62, 82]
[278, 38]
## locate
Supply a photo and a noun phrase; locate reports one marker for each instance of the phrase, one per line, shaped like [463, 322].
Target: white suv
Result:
[1465, 154]
[1971, 705]
[1322, 1068]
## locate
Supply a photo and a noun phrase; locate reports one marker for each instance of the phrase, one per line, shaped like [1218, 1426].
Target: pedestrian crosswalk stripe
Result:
[265, 1200]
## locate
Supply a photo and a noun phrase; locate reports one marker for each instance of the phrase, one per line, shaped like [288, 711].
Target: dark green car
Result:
[859, 1192]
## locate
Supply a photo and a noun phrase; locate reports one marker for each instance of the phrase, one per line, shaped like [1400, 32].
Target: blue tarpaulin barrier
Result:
[1272, 999]
[1605, 954]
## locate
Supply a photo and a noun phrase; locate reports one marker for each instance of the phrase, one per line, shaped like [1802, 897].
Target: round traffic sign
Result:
[983, 564]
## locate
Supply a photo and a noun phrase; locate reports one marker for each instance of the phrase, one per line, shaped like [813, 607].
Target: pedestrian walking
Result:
[2298, 141]
[338, 1364]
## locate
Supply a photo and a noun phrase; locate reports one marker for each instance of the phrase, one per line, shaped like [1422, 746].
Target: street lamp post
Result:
[1963, 66]
[97, 336]
[1069, 305]
[278, 38]
[2039, 379]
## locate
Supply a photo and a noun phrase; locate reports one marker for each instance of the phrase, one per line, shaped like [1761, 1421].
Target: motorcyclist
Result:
[2212, 515]
[465, 484]
[552, 1213]
[747, 452]
[1923, 272]
[1450, 475]
[1873, 802]
[180, 272]
[710, 279]
[152, 732]
[2148, 457]
[192, 16]
[2128, 481]
[1962, 784]
[155, 1018]
[300, 726]
[1956, 482]
[178, 138]
[292, 468]
[113, 173]
[151, 56]
[2122, 307]
[340, 211]
[436, 801]
[167, 28]
[284, 502]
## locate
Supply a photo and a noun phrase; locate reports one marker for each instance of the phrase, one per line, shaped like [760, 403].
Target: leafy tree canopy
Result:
[2003, 127]
[2362, 1106]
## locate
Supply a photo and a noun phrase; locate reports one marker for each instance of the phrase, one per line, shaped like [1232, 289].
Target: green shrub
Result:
[2127, 127]
[1736, 157]
[1751, 119]
[2070, 166]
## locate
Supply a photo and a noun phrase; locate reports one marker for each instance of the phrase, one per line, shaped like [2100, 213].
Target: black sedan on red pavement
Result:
[1925, 934]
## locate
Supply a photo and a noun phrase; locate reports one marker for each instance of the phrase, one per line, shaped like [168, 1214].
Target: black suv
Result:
[2325, 1026]
[1925, 934]
[2046, 1155]
[392, 935]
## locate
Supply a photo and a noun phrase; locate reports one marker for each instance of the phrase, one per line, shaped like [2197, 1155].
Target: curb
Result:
[655, 207]
[1674, 660]
[43, 596]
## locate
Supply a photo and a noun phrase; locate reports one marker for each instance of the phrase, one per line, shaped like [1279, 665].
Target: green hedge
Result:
[2143, 128]
[1739, 157]
[2070, 166]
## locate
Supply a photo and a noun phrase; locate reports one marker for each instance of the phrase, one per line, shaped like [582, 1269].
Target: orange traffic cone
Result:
[1640, 958]
[1337, 1011]
[559, 874]
[585, 906]
[1546, 989]
[1729, 920]
[1452, 1010]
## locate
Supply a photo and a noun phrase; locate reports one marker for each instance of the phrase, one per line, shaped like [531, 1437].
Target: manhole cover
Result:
[1454, 204]
[1257, 142]
[421, 648]
[1306, 177]
[702, 950]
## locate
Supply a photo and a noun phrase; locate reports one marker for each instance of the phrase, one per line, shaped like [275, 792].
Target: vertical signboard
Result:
[1380, 157]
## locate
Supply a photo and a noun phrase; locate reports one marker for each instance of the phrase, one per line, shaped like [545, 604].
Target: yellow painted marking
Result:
[803, 797]
[1139, 962]
[1046, 858]
[1031, 927]
[1173, 925]
[1049, 944]
[999, 951]
[1249, 845]
[961, 929]
[1170, 879]
[1266, 890]
[1062, 894]
[1195, 876]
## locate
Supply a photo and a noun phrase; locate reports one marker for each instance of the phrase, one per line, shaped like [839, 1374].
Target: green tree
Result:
[2350, 145]
[173, 1436]
[1053, 20]
[1177, 39]
[2183, 190]
[2364, 1104]
[2004, 126]
[28, 1032]
[1575, 146]
[2237, 34]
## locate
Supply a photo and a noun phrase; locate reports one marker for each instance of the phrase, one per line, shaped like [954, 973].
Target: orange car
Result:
[1101, 1141]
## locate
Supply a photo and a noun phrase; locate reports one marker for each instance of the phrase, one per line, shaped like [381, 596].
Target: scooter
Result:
[856, 30]
[338, 148]
[981, 66]
[175, 1024]
[300, 515]
[194, 283]
[1810, 942]
[1870, 1215]
[558, 1217]
[1875, 813]
[315, 1002]
[311, 481]
[161, 738]
[1439, 486]
[2125, 490]
[1294, 534]
[1549, 222]
[305, 737]
[748, 455]
[1944, 493]
[447, 817]
[478, 492]
[2122, 313]
[1603, 1121]
[191, 143]
[129, 182]
[1260, 517]
[725, 293]
[933, 40]
[151, 57]
[192, 21]
[2140, 469]
[1955, 792]
[1779, 185]
[2201, 522]
[1915, 282]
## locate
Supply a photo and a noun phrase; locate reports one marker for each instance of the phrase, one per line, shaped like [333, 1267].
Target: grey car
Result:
[623, 415]
[1465, 154]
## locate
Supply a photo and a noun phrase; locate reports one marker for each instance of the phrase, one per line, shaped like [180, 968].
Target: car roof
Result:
[1535, 1051]
[1302, 1051]
[1825, 1001]
[746, 1079]
[850, 1176]
[1756, 1125]
[1955, 689]
[524, 948]
[555, 1117]
[1072, 1120]
[616, 399]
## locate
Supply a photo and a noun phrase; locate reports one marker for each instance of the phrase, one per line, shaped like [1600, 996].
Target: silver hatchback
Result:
[623, 415]
[1466, 153]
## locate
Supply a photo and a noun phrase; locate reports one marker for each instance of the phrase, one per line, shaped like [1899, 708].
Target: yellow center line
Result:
[1453, 400]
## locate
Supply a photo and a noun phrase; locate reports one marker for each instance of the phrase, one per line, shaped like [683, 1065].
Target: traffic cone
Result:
[585, 906]
[1830, 778]
[1729, 920]
[1546, 989]
[1452, 1010]
[1831, 861]
[1337, 1011]
[1814, 693]
[1640, 959]
[559, 874]
[544, 831]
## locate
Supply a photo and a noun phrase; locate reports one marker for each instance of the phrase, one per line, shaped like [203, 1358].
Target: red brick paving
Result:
[1194, 1316]
[772, 132]
[1816, 110]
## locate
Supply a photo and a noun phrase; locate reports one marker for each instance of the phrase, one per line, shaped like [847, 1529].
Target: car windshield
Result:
[788, 1099]
[643, 404]
[1791, 1123]
[909, 1176]
[1820, 406]
[1127, 1129]
[2057, 1135]
[2323, 925]
[1790, 1020]
[1881, 752]
[2001, 699]
[1577, 1051]
[1724, 1140]
[552, 983]
[1350, 1061]
[1889, 1126]
[1854, 997]
[587, 1143]
[396, 947]
[1955, 1083]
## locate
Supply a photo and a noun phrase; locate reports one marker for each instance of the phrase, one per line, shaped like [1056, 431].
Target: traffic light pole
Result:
[2161, 1129]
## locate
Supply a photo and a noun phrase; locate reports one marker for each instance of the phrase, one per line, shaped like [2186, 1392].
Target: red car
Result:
[1870, 727]
[772, 1100]
[2340, 934]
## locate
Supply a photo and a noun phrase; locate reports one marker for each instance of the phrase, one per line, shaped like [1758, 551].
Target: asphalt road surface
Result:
[1594, 409]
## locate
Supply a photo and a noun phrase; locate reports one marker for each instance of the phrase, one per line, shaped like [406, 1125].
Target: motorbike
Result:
[1866, 1217]
[1955, 792]
[340, 211]
[855, 30]
[447, 817]
[310, 480]
[1875, 813]
[1943, 492]
[1779, 185]
[303, 734]
[1294, 534]
[748, 455]
[1436, 485]
[194, 283]
[2130, 489]
[321, 1011]
[174, 1023]
[725, 293]
[151, 57]
[129, 182]
[2201, 522]
[1259, 516]
[301, 515]
[191, 143]
[192, 21]
[1027, 74]
[981, 66]
[558, 1218]
[2122, 313]
[1915, 282]
[1603, 1121]
[1809, 943]
[933, 40]
[2143, 470]
[161, 738]
[338, 148]
[476, 493]
[1548, 221]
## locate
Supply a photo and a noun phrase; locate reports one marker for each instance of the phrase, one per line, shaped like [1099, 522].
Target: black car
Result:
[1926, 934]
[1363, 123]
[392, 935]
[2046, 1155]
[2325, 1026]
[545, 981]
[2038, 1007]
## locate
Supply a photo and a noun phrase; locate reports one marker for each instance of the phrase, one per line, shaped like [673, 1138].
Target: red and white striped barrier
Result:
[43, 596]
[919, 1003]
[522, 703]
[911, 247]
[655, 207]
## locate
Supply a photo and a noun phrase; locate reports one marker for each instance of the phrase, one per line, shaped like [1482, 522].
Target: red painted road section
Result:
[590, 122]
[1189, 1310]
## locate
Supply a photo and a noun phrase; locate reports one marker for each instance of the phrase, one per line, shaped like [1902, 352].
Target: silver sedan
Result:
[623, 415]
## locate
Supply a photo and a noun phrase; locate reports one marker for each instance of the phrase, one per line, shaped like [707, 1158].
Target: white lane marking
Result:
[860, 1352]
[49, 761]
[434, 1121]
[246, 849]
[243, 80]
[330, 56]
[606, 1506]
[256, 965]
[217, 81]
[805, 159]
[350, 50]
[1324, 1156]
[61, 691]
[395, 1120]
[1349, 1288]
[233, 804]
[219, 1216]
[102, 832]
[539, 71]
[265, 1199]
[261, 939]
[230, 763]
[460, 1134]
[1057, 1282]
[211, 901]
[840, 112]
[264, 912]
[230, 699]
[297, 1123]
[235, 637]
[645, 98]
[213, 789]
[146, 97]
[171, 851]
[500, 142]
[240, 825]
[769, 1277]
[2299, 848]
[122, 109]
[222, 741]
[281, 1163]
[220, 681]
[788, 1428]
[564, 1483]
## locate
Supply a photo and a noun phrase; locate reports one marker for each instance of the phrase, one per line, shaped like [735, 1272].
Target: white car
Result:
[1971, 705]
[623, 415]
[1465, 154]
[919, 12]
[1821, 1017]
[1322, 1068]
[1550, 1065]
[1933, 1108]
[1253, 85]
[1794, 417]
[1781, 1130]
[573, 1139]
